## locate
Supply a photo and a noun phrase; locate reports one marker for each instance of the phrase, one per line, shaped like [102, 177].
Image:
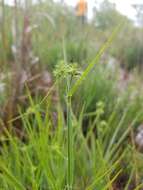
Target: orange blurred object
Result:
[81, 8]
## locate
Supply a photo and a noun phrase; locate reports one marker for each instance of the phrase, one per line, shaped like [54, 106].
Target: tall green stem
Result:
[69, 125]
[70, 140]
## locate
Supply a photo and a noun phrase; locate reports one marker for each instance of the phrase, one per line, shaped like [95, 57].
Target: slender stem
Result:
[69, 125]
[70, 140]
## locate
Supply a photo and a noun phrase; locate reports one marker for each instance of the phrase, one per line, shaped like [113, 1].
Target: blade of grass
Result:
[113, 179]
[11, 178]
[104, 174]
[95, 60]
[139, 187]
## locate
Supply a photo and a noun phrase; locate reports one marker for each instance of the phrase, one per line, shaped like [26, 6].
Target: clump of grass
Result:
[41, 160]
[58, 155]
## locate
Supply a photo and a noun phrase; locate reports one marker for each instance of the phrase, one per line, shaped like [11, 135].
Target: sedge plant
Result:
[41, 161]
[68, 71]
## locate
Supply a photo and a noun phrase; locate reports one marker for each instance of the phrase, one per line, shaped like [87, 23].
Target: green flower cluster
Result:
[64, 70]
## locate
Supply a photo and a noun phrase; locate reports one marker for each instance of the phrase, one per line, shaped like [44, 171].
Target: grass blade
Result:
[95, 60]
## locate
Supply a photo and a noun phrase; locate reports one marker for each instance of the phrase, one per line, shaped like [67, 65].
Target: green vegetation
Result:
[71, 99]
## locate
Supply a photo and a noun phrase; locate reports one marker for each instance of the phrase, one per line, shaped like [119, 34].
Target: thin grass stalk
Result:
[91, 65]
[70, 137]
[69, 125]
[70, 142]
[137, 179]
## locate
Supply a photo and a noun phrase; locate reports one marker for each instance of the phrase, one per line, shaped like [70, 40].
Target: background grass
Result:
[70, 111]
